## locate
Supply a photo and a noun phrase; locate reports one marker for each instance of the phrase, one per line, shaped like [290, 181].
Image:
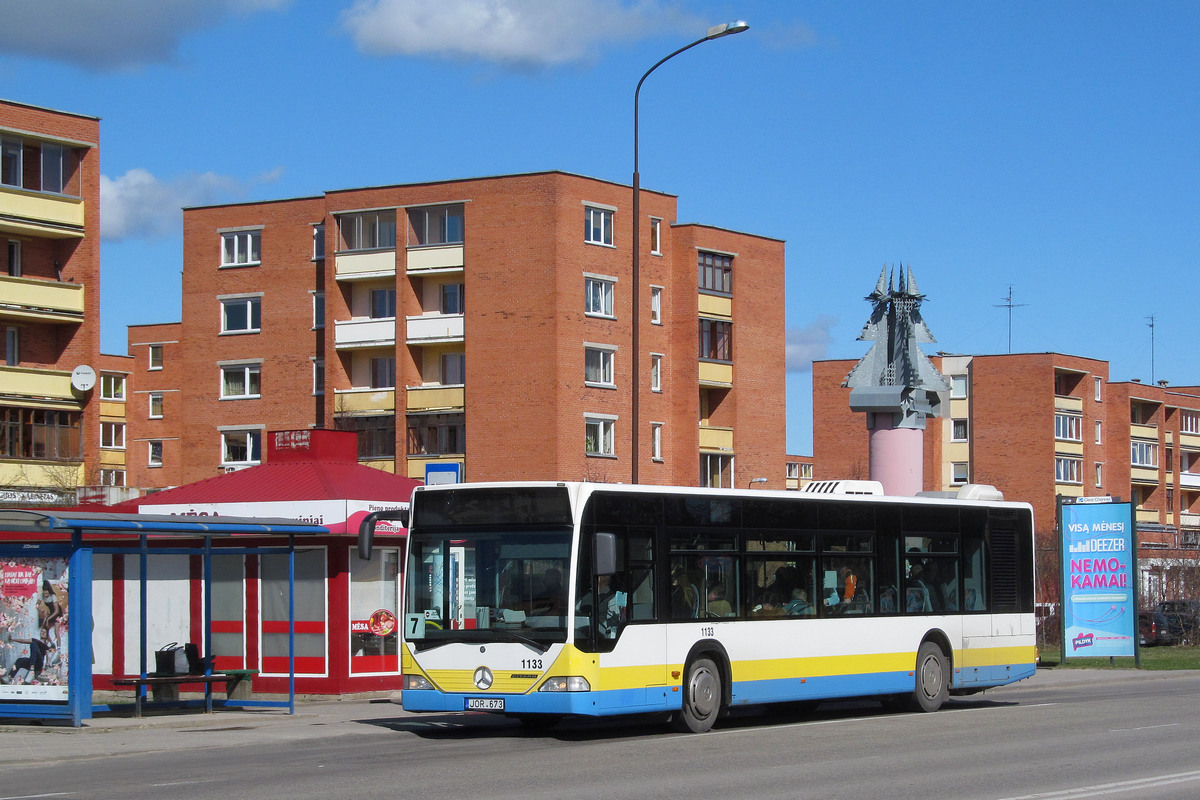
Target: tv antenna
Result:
[1150, 325]
[1010, 305]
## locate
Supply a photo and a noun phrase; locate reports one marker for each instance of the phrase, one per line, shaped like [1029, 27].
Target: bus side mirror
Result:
[605, 557]
[366, 529]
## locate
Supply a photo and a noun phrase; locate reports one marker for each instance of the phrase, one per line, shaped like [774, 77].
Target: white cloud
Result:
[515, 33]
[111, 34]
[808, 344]
[139, 205]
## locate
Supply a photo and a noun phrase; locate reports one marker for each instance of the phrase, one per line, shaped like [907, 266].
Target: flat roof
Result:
[50, 521]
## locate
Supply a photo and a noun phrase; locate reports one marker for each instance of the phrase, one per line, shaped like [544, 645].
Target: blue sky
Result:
[1050, 147]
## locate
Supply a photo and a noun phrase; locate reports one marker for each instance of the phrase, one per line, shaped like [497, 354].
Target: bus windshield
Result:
[492, 585]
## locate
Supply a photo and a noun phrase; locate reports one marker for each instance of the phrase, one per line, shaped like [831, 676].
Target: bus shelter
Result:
[46, 591]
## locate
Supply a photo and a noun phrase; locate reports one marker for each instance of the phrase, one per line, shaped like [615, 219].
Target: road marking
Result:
[1145, 728]
[1084, 792]
[35, 796]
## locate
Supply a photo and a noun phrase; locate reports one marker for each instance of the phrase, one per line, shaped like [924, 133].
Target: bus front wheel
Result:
[701, 697]
[932, 680]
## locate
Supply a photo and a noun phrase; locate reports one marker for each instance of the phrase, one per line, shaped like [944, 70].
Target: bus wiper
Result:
[534, 643]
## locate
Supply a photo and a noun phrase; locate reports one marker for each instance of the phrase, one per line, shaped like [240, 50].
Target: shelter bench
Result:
[232, 679]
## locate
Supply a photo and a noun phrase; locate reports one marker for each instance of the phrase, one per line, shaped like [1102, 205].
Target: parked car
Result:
[1153, 629]
[1183, 618]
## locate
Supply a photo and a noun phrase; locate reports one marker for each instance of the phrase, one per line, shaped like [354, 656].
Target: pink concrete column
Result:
[897, 459]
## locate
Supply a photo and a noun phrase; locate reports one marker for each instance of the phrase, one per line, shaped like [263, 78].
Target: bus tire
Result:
[932, 680]
[701, 697]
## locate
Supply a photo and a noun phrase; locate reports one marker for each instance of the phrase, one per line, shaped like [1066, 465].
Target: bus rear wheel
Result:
[932, 680]
[701, 697]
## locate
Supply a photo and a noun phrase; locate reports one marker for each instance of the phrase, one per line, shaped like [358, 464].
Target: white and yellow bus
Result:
[542, 600]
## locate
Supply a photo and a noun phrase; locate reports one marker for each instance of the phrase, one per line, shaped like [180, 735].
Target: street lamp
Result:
[715, 32]
[753, 481]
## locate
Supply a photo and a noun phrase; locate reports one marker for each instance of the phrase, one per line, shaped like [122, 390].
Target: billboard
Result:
[33, 629]
[1098, 563]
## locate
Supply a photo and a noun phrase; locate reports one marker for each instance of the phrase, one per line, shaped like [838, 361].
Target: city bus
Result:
[542, 600]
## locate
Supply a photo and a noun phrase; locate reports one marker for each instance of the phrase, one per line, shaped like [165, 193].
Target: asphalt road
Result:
[1133, 736]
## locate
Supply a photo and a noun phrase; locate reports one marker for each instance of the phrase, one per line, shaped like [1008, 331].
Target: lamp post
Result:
[715, 32]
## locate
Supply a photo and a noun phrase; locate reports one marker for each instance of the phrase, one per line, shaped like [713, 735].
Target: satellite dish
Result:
[83, 378]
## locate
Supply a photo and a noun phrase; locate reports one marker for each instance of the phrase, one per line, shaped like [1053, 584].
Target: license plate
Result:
[485, 704]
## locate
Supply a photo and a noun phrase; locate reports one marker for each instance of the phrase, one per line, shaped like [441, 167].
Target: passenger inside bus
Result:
[718, 606]
[684, 597]
[799, 605]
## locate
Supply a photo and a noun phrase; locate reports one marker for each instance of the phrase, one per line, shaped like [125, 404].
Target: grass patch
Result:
[1157, 658]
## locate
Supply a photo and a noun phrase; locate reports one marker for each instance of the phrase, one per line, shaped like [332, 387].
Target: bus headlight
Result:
[416, 682]
[573, 683]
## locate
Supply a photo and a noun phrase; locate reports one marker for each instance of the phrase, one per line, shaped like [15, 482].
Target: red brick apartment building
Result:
[1040, 425]
[50, 423]
[350, 310]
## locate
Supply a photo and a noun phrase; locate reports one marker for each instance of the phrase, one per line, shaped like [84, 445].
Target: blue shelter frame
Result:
[67, 532]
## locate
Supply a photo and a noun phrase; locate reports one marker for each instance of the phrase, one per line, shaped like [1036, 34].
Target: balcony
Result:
[434, 328]
[40, 301]
[1143, 432]
[435, 397]
[359, 401]
[1143, 474]
[716, 374]
[416, 464]
[1064, 403]
[352, 334]
[714, 439]
[711, 305]
[444, 258]
[47, 216]
[364, 266]
[50, 388]
[1189, 520]
[1189, 480]
[1145, 515]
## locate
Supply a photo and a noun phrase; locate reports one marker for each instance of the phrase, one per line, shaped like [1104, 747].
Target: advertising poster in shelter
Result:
[1099, 604]
[33, 629]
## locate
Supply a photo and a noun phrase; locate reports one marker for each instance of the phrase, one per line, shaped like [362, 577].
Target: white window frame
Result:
[656, 360]
[655, 236]
[1068, 469]
[112, 435]
[600, 429]
[1099, 432]
[1068, 427]
[598, 224]
[250, 435]
[112, 386]
[152, 399]
[319, 241]
[369, 230]
[251, 303]
[960, 472]
[599, 295]
[656, 305]
[958, 387]
[792, 470]
[54, 156]
[1099, 389]
[154, 453]
[112, 477]
[1143, 453]
[318, 317]
[955, 424]
[1099, 474]
[605, 357]
[241, 248]
[1189, 422]
[725, 466]
[154, 357]
[249, 370]
[656, 429]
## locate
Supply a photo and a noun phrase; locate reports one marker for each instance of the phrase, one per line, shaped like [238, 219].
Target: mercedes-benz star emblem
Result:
[483, 678]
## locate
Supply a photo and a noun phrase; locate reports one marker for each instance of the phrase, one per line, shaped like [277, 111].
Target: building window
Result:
[716, 471]
[10, 161]
[155, 353]
[318, 310]
[12, 347]
[1099, 389]
[383, 373]
[112, 435]
[958, 430]
[241, 248]
[112, 387]
[655, 236]
[156, 405]
[599, 435]
[598, 296]
[716, 272]
[434, 225]
[958, 387]
[112, 477]
[1143, 453]
[383, 303]
[369, 230]
[155, 453]
[1099, 474]
[656, 441]
[598, 226]
[793, 470]
[241, 381]
[656, 305]
[1189, 422]
[55, 168]
[454, 369]
[14, 258]
[376, 434]
[716, 340]
[437, 434]
[241, 447]
[1068, 470]
[453, 298]
[29, 433]
[1068, 428]
[656, 372]
[318, 376]
[959, 472]
[319, 242]
[598, 366]
[806, 472]
[241, 314]
[1099, 432]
